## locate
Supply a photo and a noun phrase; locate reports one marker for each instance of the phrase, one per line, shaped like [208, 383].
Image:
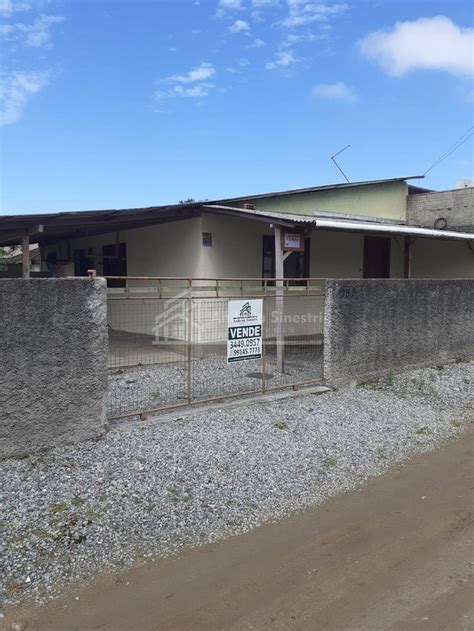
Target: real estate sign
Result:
[244, 335]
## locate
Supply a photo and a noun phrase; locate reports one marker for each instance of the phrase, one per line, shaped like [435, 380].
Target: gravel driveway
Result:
[144, 491]
[139, 388]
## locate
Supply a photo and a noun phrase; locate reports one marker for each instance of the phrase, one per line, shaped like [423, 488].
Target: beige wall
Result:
[236, 247]
[433, 258]
[171, 249]
[237, 251]
[175, 249]
[386, 199]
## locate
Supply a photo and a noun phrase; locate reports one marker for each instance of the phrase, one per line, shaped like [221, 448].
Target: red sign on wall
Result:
[292, 240]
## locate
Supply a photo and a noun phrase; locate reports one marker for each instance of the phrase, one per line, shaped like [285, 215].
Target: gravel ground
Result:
[144, 491]
[140, 388]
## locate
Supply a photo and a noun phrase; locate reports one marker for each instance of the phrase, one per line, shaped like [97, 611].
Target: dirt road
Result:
[395, 555]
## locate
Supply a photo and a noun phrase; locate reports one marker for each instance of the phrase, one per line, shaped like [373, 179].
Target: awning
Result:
[377, 226]
[360, 226]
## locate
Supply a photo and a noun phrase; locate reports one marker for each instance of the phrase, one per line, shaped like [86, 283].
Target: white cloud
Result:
[15, 91]
[224, 6]
[257, 43]
[260, 4]
[302, 13]
[195, 91]
[7, 7]
[200, 73]
[239, 26]
[283, 59]
[293, 38]
[338, 91]
[182, 83]
[38, 34]
[426, 44]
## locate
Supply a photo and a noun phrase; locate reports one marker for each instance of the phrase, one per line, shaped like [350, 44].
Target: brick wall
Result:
[456, 206]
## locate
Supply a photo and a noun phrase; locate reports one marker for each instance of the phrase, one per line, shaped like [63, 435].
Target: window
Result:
[115, 262]
[295, 266]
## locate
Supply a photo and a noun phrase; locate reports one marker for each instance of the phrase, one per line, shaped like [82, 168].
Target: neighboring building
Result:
[380, 228]
[11, 262]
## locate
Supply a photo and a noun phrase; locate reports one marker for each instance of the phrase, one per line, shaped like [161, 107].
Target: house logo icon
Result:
[246, 310]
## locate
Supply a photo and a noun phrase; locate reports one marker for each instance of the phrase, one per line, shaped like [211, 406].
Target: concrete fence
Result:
[373, 326]
[53, 345]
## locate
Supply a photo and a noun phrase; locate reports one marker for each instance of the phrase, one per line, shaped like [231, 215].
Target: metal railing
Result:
[168, 340]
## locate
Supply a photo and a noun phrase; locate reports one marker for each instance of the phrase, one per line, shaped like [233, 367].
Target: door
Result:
[377, 257]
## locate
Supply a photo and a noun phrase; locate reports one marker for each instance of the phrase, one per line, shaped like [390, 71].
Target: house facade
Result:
[365, 229]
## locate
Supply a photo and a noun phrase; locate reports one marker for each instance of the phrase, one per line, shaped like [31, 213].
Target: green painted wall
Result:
[387, 199]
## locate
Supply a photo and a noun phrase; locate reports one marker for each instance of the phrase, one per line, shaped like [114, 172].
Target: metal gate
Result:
[168, 340]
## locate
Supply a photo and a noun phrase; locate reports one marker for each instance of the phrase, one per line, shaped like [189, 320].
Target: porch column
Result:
[407, 257]
[25, 251]
[280, 257]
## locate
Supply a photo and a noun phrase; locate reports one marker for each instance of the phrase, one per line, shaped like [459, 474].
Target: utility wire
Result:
[459, 142]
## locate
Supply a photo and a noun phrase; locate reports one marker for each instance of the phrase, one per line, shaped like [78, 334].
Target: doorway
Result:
[377, 257]
[295, 266]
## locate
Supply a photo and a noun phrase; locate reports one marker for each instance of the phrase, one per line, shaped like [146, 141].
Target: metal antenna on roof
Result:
[333, 159]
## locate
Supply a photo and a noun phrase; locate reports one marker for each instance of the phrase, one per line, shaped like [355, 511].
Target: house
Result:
[374, 229]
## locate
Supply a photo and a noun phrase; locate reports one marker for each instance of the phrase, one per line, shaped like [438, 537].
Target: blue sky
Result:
[117, 104]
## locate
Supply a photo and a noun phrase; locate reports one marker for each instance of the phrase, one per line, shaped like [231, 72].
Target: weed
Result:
[173, 490]
[178, 496]
[77, 501]
[280, 425]
[328, 463]
[390, 377]
[380, 451]
[456, 423]
[21, 456]
[423, 431]
[185, 498]
[57, 507]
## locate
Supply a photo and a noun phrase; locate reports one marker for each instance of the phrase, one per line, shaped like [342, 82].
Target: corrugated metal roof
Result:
[375, 226]
[313, 189]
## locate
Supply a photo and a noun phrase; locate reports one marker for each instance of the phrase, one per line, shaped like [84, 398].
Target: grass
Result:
[280, 425]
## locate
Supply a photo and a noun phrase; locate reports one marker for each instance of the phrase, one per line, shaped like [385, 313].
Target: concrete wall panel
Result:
[53, 341]
[372, 326]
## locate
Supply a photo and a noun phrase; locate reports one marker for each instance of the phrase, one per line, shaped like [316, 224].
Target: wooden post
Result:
[407, 257]
[25, 251]
[279, 274]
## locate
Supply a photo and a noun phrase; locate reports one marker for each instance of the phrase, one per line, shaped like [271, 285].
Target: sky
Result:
[120, 103]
